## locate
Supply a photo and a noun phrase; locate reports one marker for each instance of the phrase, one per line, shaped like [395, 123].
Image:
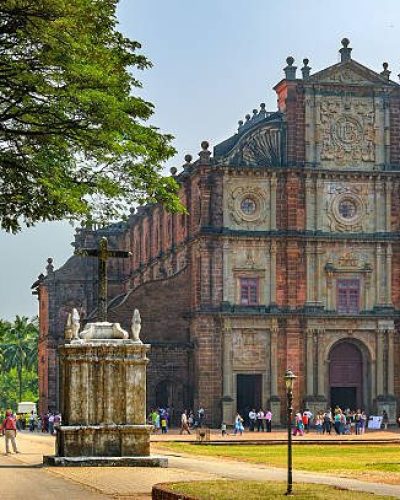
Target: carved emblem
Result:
[247, 204]
[347, 130]
[348, 259]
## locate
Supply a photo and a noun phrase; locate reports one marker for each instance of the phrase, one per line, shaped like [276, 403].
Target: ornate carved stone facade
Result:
[289, 257]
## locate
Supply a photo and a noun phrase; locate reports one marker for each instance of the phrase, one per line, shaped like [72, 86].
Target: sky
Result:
[214, 61]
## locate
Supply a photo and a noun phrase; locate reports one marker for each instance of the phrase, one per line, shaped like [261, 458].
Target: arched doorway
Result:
[346, 375]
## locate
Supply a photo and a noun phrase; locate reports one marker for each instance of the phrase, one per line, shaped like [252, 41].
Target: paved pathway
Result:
[20, 475]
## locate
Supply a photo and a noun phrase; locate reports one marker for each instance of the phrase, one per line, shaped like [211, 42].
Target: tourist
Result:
[327, 424]
[51, 424]
[319, 419]
[57, 421]
[201, 416]
[184, 422]
[9, 430]
[305, 421]
[223, 429]
[268, 420]
[260, 420]
[32, 421]
[364, 420]
[164, 423]
[309, 415]
[298, 424]
[385, 420]
[358, 420]
[238, 424]
[252, 420]
[191, 419]
[398, 421]
[337, 421]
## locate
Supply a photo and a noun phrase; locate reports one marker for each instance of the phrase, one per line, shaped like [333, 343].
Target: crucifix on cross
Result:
[103, 254]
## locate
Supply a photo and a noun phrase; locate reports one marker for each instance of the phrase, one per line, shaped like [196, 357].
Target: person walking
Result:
[9, 430]
[238, 424]
[298, 424]
[327, 422]
[184, 423]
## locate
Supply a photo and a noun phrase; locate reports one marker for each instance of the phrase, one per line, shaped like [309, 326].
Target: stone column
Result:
[388, 203]
[388, 287]
[226, 274]
[310, 362]
[274, 357]
[319, 274]
[319, 204]
[379, 362]
[378, 274]
[390, 361]
[273, 272]
[310, 281]
[321, 365]
[309, 205]
[273, 184]
[227, 375]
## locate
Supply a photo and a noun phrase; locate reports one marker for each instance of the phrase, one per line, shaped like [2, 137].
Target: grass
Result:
[229, 490]
[370, 462]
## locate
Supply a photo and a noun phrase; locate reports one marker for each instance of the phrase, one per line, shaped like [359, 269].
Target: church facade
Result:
[289, 257]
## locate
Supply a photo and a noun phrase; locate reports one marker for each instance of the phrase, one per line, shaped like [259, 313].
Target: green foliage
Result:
[73, 138]
[18, 361]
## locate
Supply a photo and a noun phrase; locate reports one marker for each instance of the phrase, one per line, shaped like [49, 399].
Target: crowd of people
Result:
[162, 419]
[341, 422]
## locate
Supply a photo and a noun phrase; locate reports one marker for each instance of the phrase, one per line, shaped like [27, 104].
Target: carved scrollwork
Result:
[347, 212]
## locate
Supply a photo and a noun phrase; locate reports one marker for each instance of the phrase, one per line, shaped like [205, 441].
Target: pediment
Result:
[350, 73]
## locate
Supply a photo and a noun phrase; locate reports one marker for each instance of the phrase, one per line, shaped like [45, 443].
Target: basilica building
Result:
[289, 257]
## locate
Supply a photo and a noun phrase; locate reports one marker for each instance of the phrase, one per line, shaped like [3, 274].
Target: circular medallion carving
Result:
[247, 204]
[347, 130]
[348, 209]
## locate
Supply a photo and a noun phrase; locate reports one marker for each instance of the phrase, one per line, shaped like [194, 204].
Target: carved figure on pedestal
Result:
[76, 324]
[136, 325]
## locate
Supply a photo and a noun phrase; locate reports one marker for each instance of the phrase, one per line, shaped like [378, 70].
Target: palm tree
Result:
[18, 347]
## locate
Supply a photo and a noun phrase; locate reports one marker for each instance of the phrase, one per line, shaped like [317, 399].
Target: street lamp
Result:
[289, 380]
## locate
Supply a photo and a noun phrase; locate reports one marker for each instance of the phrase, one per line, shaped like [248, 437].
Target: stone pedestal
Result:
[275, 407]
[103, 400]
[389, 404]
[315, 404]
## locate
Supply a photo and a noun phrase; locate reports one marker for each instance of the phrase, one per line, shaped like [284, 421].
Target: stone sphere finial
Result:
[262, 105]
[173, 170]
[247, 118]
[305, 61]
[240, 123]
[290, 60]
[385, 65]
[188, 158]
[255, 112]
[50, 260]
[345, 42]
[205, 145]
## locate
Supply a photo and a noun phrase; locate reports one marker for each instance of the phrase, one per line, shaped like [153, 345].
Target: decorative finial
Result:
[240, 124]
[188, 159]
[49, 267]
[262, 113]
[247, 117]
[345, 51]
[305, 70]
[255, 113]
[345, 42]
[290, 70]
[385, 73]
[173, 171]
[204, 153]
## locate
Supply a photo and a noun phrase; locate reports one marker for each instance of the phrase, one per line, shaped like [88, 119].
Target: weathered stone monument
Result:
[103, 394]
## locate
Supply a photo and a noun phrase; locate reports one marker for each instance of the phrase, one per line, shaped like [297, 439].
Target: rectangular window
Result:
[348, 296]
[248, 291]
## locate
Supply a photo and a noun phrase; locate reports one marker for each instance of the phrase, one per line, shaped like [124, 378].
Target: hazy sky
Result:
[214, 61]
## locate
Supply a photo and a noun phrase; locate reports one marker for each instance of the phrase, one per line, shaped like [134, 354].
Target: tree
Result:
[18, 348]
[73, 138]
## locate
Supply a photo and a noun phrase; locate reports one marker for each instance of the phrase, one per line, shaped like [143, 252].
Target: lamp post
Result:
[289, 380]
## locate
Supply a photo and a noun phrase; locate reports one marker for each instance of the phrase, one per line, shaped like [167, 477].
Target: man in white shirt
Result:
[252, 419]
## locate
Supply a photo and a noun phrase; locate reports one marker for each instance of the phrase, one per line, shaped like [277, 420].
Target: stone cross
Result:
[103, 254]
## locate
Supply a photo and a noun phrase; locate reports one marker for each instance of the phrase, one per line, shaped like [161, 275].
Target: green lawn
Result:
[229, 490]
[371, 462]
